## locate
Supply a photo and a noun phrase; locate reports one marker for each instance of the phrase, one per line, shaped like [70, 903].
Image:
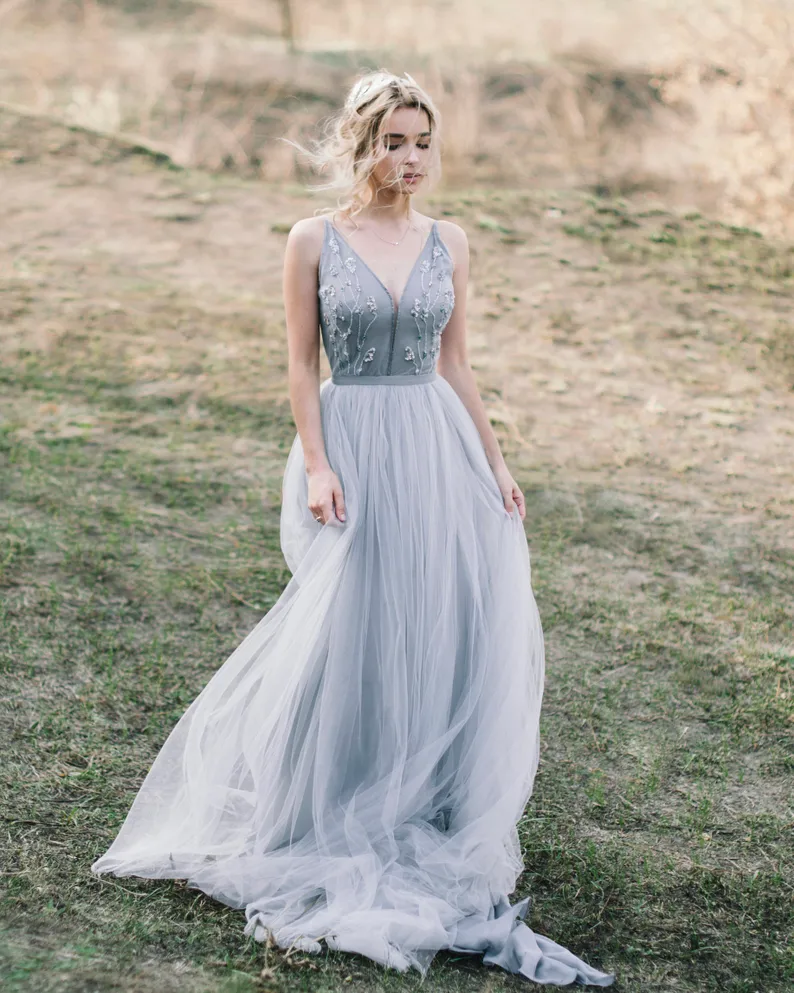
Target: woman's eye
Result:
[393, 148]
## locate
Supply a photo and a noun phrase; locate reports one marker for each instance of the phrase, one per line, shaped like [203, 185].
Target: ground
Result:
[638, 366]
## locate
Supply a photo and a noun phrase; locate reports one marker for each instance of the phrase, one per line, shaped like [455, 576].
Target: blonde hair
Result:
[353, 142]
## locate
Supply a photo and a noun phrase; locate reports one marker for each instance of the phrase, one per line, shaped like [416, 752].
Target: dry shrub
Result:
[216, 97]
[707, 116]
[734, 144]
[208, 97]
[594, 118]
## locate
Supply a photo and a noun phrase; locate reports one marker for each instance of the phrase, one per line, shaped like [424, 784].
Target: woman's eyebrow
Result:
[397, 134]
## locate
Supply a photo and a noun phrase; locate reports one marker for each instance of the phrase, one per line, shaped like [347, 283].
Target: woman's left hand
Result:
[511, 494]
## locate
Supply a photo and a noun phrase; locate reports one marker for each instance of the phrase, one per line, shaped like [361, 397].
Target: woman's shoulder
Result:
[450, 230]
[307, 228]
[306, 237]
[454, 237]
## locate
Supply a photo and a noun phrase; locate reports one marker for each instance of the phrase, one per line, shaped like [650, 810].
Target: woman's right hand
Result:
[326, 499]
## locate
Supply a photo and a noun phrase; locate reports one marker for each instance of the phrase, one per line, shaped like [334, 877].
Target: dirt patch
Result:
[628, 356]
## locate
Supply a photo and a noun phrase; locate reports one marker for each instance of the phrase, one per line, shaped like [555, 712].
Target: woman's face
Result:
[407, 141]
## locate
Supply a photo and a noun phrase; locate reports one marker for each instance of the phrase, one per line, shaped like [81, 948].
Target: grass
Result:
[144, 431]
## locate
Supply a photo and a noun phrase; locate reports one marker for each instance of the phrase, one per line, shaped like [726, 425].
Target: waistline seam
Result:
[403, 380]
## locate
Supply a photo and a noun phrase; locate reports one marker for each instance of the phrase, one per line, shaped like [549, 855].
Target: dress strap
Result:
[326, 239]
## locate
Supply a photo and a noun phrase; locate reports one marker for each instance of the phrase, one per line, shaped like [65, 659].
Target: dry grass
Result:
[633, 359]
[635, 354]
[694, 103]
[736, 134]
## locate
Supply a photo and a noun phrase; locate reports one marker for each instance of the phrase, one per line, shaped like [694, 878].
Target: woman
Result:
[356, 769]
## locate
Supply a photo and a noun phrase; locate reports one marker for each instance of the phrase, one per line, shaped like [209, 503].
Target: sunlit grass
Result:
[634, 361]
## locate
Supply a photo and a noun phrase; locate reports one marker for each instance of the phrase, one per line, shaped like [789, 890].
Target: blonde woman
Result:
[355, 771]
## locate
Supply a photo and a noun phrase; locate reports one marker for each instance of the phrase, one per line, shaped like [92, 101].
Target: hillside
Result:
[638, 364]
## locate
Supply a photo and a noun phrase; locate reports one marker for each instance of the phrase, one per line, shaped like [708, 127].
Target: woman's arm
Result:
[453, 365]
[301, 258]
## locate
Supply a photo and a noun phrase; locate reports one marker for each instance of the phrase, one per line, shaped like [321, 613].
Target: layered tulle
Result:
[355, 771]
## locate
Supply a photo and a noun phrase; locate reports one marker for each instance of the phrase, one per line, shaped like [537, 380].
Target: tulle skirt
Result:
[355, 771]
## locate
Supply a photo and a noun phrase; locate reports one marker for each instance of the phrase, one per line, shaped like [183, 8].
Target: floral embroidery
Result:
[345, 311]
[342, 313]
[429, 317]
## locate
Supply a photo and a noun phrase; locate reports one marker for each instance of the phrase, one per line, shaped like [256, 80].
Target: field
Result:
[638, 364]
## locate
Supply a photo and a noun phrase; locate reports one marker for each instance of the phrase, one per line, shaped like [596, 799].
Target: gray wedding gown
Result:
[355, 770]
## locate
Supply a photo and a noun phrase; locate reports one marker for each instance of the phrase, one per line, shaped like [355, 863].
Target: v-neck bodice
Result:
[364, 331]
[418, 259]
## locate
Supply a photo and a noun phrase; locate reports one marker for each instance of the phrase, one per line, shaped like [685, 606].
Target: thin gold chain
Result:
[394, 242]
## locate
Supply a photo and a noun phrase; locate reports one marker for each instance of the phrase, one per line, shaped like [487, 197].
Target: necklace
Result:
[388, 242]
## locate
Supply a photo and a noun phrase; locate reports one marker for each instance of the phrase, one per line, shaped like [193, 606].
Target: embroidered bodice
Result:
[364, 331]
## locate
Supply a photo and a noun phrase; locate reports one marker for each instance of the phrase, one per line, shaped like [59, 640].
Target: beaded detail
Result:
[430, 316]
[364, 332]
[343, 313]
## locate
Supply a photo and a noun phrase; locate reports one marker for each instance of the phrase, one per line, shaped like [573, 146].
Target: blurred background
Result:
[623, 171]
[617, 95]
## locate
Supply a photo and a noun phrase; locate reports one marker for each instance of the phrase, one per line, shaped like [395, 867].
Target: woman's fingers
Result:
[325, 511]
[520, 502]
[325, 493]
[339, 500]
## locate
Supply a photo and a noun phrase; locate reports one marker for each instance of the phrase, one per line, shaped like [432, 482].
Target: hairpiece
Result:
[359, 93]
